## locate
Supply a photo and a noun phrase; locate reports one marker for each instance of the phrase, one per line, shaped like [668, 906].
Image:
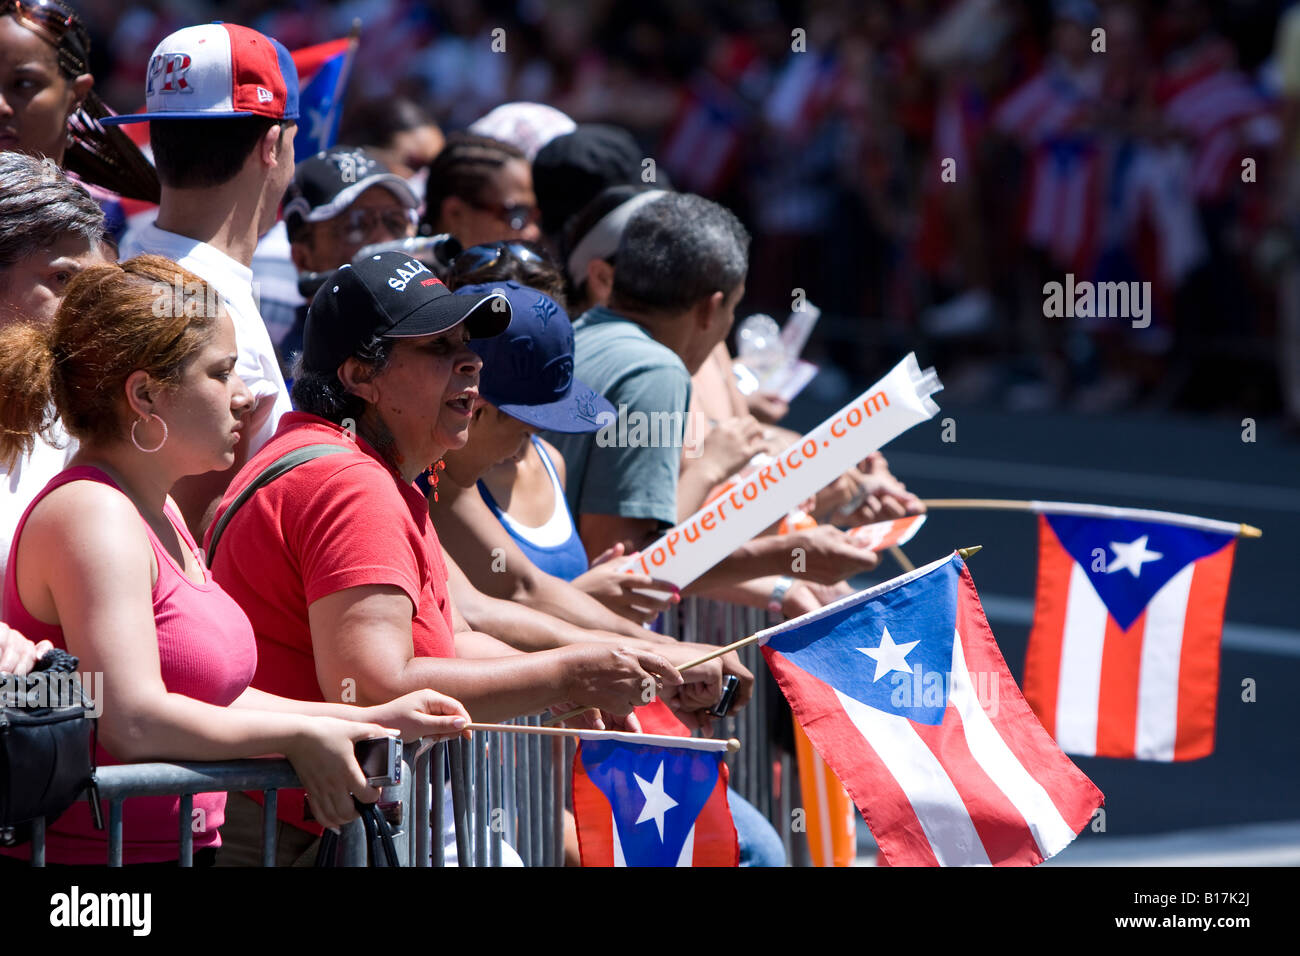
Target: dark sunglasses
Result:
[516, 215]
[58, 25]
[489, 254]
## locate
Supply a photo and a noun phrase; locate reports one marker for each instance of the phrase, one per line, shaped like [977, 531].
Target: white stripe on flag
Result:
[687, 857]
[996, 758]
[1162, 647]
[918, 773]
[1080, 681]
[619, 859]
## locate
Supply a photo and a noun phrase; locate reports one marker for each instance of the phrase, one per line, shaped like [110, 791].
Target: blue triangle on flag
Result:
[674, 785]
[849, 650]
[1129, 561]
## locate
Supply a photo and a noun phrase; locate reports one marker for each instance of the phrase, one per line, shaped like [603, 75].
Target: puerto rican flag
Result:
[638, 804]
[323, 72]
[1123, 658]
[903, 692]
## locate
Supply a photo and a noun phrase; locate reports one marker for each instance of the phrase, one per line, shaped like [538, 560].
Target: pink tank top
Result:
[207, 651]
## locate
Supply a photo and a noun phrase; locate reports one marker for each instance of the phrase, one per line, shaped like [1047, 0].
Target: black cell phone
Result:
[729, 685]
[381, 760]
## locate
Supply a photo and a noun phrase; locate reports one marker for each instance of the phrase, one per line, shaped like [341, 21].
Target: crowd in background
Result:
[824, 125]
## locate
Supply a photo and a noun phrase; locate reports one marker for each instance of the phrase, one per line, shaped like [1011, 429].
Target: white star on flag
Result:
[889, 656]
[317, 119]
[1132, 556]
[657, 801]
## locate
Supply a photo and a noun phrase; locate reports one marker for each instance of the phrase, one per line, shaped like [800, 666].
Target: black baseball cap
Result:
[570, 170]
[390, 295]
[528, 369]
[325, 185]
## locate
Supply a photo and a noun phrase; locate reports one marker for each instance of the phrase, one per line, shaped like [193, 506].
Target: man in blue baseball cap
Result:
[526, 386]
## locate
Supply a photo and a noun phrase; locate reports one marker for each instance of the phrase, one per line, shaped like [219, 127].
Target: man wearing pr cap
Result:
[337, 563]
[221, 101]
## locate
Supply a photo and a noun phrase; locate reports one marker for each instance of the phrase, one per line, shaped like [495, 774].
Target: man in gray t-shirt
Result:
[629, 468]
[680, 274]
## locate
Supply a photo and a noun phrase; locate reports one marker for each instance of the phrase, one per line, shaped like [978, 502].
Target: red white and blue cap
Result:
[217, 71]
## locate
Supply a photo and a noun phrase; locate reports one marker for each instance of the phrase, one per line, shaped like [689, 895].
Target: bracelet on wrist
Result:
[776, 601]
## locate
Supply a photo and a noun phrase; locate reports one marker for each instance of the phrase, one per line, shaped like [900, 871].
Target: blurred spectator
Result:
[480, 190]
[570, 170]
[50, 230]
[339, 201]
[50, 109]
[529, 126]
[399, 133]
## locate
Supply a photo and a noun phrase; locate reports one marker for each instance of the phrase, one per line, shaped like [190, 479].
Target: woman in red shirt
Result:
[101, 564]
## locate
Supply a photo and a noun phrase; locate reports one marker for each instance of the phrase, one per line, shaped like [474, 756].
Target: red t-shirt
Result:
[332, 523]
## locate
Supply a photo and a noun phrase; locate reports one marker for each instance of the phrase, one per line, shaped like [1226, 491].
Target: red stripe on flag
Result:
[592, 818]
[1117, 697]
[1198, 669]
[875, 792]
[1074, 795]
[1043, 655]
[1000, 826]
[309, 59]
[716, 841]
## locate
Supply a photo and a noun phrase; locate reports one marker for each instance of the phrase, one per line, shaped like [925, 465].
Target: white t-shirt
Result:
[257, 364]
[20, 486]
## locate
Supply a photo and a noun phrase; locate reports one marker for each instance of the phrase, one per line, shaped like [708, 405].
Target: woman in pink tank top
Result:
[102, 563]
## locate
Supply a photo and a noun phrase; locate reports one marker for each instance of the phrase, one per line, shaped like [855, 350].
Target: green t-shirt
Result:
[630, 467]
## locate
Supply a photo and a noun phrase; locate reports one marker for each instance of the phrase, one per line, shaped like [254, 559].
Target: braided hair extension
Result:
[464, 168]
[106, 157]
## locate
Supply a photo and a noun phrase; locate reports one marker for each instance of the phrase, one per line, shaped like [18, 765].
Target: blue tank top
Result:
[554, 547]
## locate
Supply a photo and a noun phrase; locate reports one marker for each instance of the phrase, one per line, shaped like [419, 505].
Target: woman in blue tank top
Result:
[553, 545]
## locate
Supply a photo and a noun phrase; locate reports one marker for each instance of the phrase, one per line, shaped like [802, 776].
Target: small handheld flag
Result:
[903, 692]
[646, 805]
[1123, 658]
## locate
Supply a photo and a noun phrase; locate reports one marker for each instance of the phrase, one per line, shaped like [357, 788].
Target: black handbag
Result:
[379, 840]
[46, 745]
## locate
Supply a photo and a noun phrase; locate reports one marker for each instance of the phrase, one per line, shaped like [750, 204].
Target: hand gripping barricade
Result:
[496, 789]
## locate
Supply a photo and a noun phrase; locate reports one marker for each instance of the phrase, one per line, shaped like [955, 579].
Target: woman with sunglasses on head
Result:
[481, 191]
[48, 107]
[141, 373]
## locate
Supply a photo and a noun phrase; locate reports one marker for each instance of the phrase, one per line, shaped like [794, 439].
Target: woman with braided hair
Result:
[480, 190]
[48, 107]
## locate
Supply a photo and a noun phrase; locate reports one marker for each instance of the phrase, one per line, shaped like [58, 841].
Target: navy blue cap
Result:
[528, 368]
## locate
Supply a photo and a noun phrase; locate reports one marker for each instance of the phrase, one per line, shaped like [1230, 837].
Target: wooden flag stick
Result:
[964, 553]
[731, 745]
[903, 560]
[1007, 504]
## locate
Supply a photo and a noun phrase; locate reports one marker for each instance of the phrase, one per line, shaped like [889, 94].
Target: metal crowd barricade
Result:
[121, 782]
[496, 790]
[505, 790]
[762, 771]
[509, 790]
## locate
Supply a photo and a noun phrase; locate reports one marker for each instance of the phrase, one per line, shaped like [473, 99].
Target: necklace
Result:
[431, 473]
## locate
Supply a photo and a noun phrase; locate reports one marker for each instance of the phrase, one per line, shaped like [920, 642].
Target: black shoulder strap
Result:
[286, 462]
